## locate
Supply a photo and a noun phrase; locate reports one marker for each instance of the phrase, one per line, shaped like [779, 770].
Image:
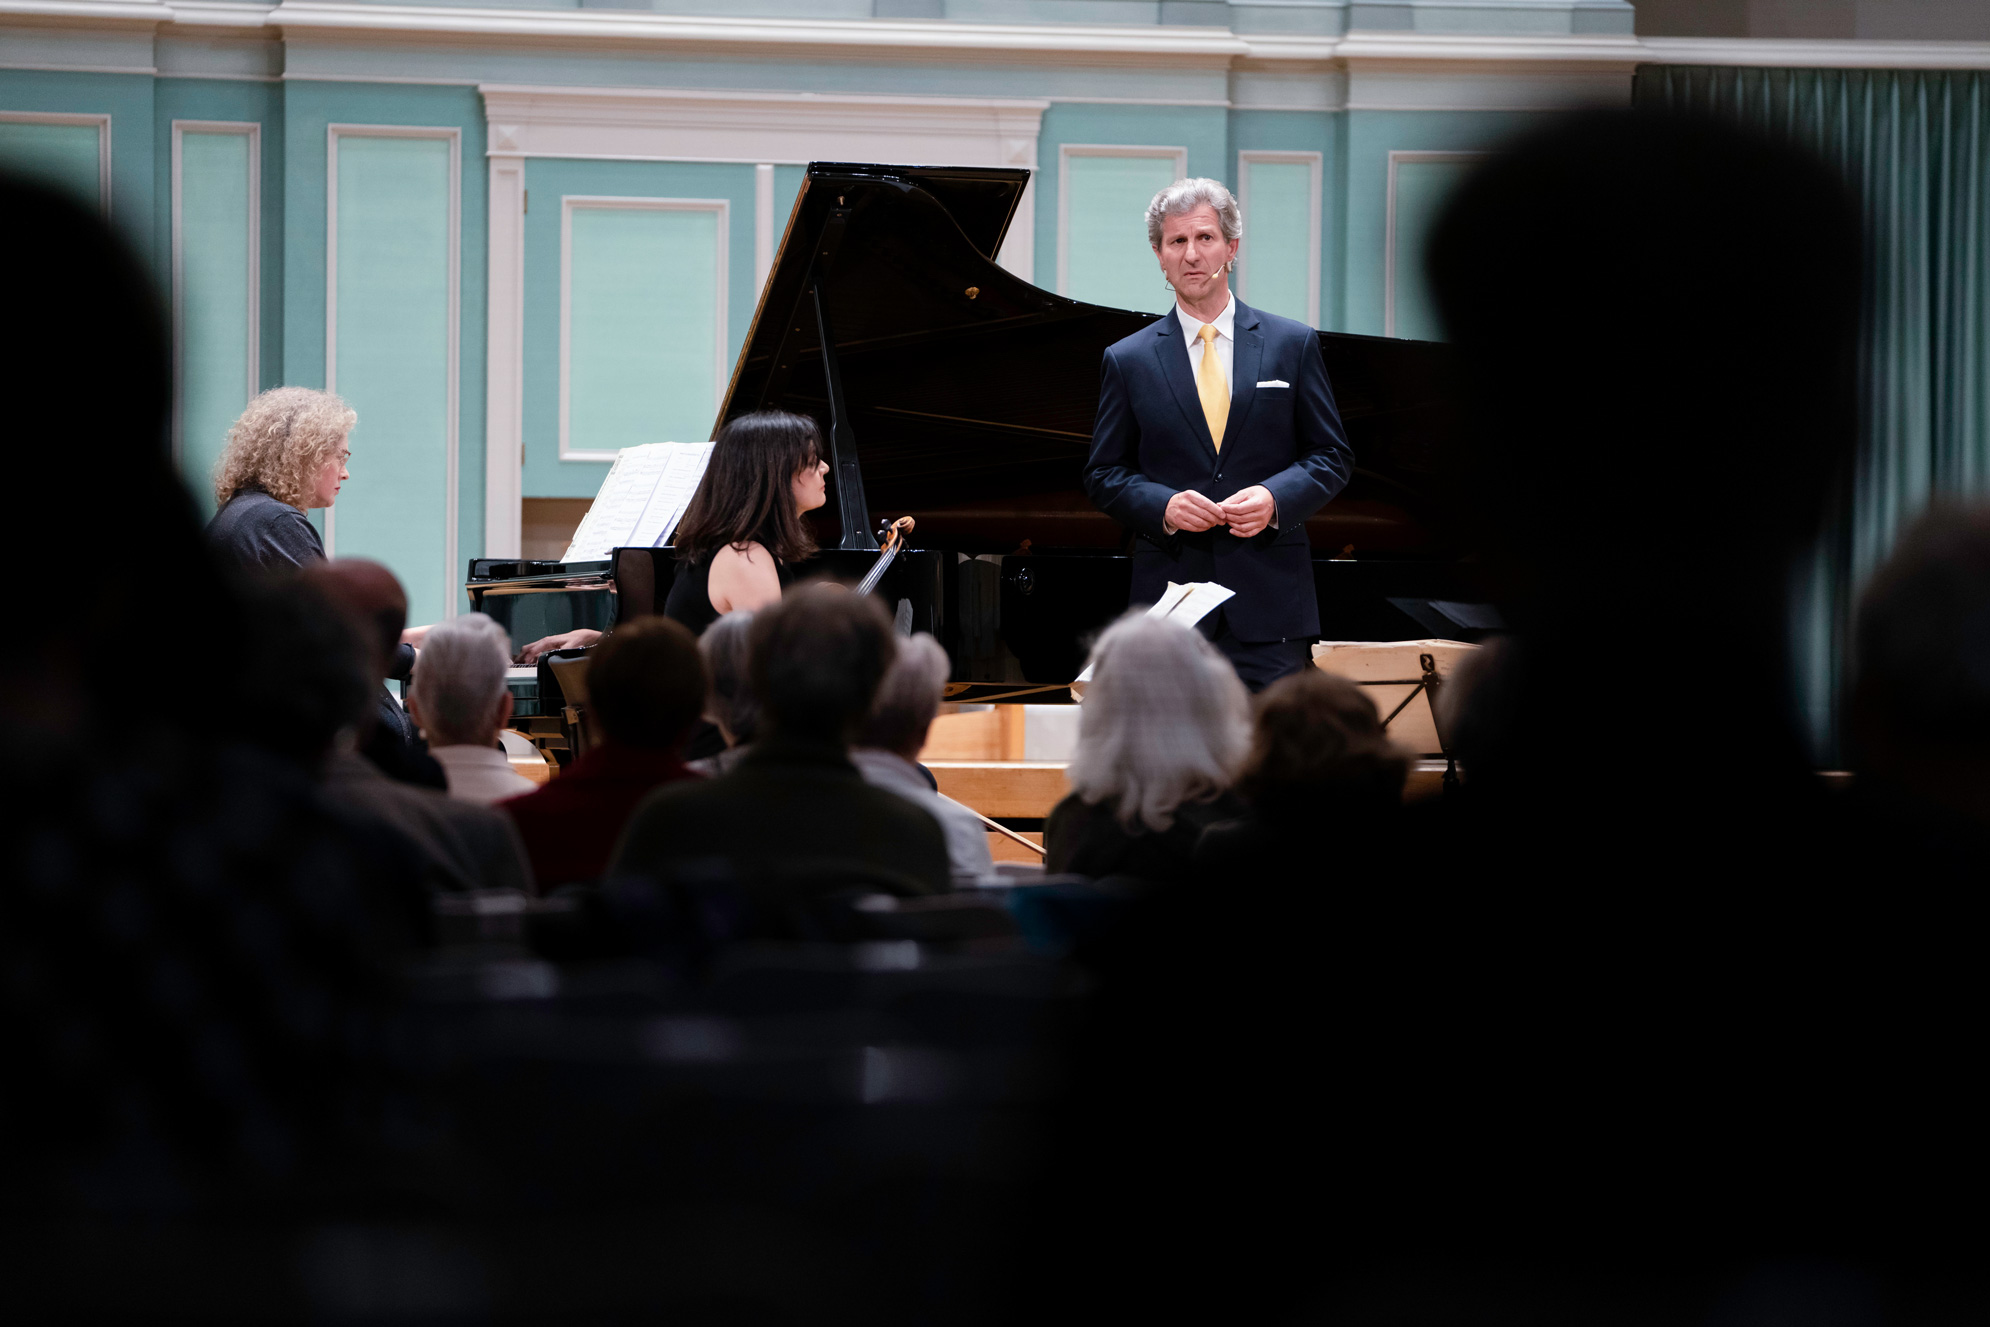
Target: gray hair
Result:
[1186, 196]
[729, 701]
[1165, 721]
[459, 676]
[908, 698]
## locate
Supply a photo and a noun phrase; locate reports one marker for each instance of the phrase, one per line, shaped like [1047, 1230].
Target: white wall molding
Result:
[103, 127]
[1781, 54]
[253, 131]
[1315, 220]
[763, 230]
[721, 360]
[451, 570]
[772, 128]
[1158, 46]
[504, 363]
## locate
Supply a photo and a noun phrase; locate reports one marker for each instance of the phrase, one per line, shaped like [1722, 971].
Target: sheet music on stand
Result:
[642, 500]
[1186, 604]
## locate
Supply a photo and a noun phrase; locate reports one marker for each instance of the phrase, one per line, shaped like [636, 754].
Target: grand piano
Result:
[950, 390]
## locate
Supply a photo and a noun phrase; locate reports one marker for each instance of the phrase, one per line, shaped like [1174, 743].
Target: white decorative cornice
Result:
[848, 36]
[1157, 45]
[92, 13]
[1780, 54]
[679, 124]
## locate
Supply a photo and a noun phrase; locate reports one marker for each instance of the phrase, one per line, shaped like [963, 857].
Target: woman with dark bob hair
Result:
[743, 533]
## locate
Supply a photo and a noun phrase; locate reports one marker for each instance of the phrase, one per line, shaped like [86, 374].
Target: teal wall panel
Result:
[1364, 199]
[643, 325]
[127, 99]
[1203, 130]
[67, 156]
[240, 101]
[1275, 261]
[1106, 258]
[1304, 131]
[392, 358]
[547, 180]
[308, 109]
[1422, 188]
[215, 290]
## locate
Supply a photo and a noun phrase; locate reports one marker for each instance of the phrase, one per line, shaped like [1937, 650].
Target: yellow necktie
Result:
[1212, 387]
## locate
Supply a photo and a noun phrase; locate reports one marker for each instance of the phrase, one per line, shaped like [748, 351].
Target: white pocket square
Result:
[1274, 382]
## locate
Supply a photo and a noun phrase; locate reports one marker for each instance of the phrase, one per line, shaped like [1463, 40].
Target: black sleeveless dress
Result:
[690, 597]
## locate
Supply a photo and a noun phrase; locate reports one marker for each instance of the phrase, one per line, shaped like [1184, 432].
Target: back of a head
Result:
[1165, 721]
[817, 659]
[307, 671]
[646, 683]
[726, 648]
[1318, 745]
[1923, 645]
[371, 596]
[459, 678]
[1592, 278]
[908, 698]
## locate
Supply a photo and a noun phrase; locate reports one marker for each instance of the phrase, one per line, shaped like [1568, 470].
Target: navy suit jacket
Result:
[1151, 441]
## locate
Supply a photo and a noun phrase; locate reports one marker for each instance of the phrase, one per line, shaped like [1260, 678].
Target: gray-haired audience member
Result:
[887, 751]
[1920, 705]
[1165, 727]
[795, 820]
[729, 704]
[460, 699]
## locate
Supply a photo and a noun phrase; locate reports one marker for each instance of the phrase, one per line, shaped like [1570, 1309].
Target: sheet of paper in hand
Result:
[642, 499]
[1186, 604]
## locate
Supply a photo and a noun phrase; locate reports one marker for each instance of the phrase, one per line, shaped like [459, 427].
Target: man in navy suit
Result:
[1217, 437]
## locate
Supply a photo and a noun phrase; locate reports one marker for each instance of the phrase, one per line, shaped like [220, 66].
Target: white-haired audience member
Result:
[729, 703]
[460, 700]
[886, 752]
[1166, 725]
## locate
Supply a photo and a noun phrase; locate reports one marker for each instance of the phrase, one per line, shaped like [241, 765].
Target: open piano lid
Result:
[968, 395]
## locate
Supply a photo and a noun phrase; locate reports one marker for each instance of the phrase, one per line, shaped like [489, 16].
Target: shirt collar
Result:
[1223, 322]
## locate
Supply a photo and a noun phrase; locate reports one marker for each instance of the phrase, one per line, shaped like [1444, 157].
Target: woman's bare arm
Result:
[743, 578]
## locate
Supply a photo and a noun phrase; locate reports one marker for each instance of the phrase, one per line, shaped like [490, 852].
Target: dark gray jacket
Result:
[257, 533]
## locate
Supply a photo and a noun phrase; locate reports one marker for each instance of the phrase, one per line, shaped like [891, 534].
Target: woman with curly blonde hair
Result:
[286, 455]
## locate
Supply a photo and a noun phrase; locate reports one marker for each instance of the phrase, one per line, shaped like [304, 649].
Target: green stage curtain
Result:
[1914, 145]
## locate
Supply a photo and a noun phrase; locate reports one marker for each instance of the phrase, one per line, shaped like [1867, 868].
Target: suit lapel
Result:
[1174, 367]
[1246, 356]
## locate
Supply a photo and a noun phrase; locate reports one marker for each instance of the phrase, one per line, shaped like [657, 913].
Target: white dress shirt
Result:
[480, 774]
[1226, 357]
[1226, 344]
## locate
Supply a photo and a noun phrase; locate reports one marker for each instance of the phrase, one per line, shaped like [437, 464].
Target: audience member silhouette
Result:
[888, 746]
[461, 700]
[374, 602]
[645, 688]
[1320, 768]
[202, 1010]
[462, 847]
[1164, 729]
[1920, 702]
[794, 822]
[1615, 1034]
